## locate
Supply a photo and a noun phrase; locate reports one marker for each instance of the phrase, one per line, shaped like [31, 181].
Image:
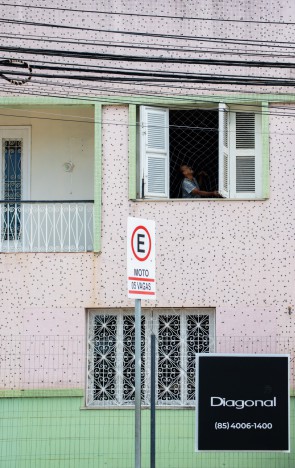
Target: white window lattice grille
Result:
[180, 334]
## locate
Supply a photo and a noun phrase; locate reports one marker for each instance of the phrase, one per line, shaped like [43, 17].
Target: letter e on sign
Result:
[141, 258]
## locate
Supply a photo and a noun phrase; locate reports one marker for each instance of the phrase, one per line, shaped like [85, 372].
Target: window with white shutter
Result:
[154, 143]
[222, 145]
[245, 153]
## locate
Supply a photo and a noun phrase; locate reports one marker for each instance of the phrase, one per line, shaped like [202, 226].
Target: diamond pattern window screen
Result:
[180, 334]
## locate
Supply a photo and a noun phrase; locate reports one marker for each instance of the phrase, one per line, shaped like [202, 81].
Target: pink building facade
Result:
[95, 152]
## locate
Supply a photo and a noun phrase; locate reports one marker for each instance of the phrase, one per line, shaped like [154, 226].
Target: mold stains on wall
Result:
[235, 256]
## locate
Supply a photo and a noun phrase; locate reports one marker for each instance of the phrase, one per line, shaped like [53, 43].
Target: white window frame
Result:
[228, 153]
[151, 326]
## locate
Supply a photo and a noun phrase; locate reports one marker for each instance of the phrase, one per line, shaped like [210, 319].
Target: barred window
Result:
[180, 334]
[222, 145]
[14, 179]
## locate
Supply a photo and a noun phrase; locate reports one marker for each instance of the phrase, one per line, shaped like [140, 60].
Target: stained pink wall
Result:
[235, 256]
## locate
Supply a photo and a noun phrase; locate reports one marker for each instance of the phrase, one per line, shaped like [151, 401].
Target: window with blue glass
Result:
[12, 188]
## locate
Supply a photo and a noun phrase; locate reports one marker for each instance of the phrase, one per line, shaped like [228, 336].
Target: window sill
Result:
[143, 407]
[194, 200]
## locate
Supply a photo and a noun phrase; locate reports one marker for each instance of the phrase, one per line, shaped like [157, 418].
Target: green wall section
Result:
[265, 149]
[132, 152]
[54, 432]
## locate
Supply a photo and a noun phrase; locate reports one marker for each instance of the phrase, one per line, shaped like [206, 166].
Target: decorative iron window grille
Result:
[180, 334]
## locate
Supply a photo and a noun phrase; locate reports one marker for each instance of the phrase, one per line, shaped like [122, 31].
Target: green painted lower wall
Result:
[54, 432]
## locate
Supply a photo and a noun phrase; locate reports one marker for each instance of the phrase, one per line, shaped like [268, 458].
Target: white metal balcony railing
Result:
[46, 226]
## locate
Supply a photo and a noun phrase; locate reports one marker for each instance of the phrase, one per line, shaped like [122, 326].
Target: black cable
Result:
[145, 74]
[164, 48]
[257, 42]
[113, 13]
[150, 59]
[94, 122]
[158, 77]
[132, 91]
[114, 100]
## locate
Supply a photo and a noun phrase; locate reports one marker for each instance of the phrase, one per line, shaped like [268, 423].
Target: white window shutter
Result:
[223, 184]
[246, 155]
[154, 149]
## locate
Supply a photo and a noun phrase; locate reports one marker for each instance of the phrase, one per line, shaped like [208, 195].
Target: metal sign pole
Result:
[141, 284]
[153, 401]
[137, 383]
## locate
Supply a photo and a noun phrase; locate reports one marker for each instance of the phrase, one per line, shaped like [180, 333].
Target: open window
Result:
[222, 145]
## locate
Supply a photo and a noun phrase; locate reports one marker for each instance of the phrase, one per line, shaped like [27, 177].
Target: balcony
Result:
[46, 226]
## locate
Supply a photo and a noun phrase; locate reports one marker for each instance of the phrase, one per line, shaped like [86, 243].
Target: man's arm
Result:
[202, 193]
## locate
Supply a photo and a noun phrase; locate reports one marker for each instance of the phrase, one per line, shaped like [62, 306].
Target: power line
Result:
[186, 77]
[257, 42]
[167, 78]
[143, 15]
[128, 45]
[129, 92]
[152, 59]
[143, 73]
[157, 77]
[114, 123]
[136, 83]
[190, 101]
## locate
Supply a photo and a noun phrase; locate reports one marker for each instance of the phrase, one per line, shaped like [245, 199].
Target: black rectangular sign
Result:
[242, 402]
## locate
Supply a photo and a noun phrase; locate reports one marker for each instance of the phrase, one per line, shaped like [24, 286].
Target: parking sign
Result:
[141, 259]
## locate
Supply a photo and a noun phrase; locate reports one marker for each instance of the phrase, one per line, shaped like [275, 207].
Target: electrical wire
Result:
[223, 40]
[136, 77]
[143, 15]
[146, 59]
[132, 91]
[164, 75]
[144, 74]
[114, 123]
[190, 101]
[142, 46]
